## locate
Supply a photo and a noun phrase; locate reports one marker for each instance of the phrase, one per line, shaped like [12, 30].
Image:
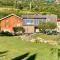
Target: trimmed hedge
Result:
[2, 33]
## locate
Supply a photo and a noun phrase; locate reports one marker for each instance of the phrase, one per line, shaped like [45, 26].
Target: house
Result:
[30, 22]
[7, 23]
[58, 25]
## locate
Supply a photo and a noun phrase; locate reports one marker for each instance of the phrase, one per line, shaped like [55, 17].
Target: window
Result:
[28, 21]
[43, 20]
[37, 21]
[34, 21]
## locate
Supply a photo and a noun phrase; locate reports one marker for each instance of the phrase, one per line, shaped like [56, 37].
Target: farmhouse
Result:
[28, 22]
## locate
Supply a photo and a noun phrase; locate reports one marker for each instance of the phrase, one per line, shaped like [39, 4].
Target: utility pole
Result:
[15, 3]
[30, 5]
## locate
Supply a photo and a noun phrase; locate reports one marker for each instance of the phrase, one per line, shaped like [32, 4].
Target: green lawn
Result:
[16, 47]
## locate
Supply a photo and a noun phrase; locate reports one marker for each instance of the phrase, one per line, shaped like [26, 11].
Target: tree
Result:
[47, 25]
[36, 8]
[20, 6]
[41, 25]
[51, 25]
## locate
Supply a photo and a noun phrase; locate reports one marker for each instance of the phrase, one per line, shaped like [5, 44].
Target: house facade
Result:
[31, 21]
[7, 23]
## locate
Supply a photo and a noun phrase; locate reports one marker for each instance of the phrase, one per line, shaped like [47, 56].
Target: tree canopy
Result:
[47, 25]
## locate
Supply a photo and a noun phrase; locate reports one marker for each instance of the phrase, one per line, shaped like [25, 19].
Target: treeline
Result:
[43, 6]
[6, 3]
[24, 2]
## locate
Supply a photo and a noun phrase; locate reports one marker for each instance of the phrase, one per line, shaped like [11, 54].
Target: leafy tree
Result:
[36, 8]
[47, 25]
[50, 25]
[20, 6]
[42, 26]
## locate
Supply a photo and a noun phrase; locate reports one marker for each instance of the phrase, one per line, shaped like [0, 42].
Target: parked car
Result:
[43, 31]
[50, 32]
[54, 32]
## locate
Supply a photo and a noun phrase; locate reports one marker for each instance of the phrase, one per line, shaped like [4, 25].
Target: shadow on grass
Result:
[32, 57]
[21, 57]
[58, 53]
[3, 53]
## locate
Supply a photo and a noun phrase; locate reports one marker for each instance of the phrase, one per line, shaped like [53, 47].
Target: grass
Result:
[47, 37]
[16, 47]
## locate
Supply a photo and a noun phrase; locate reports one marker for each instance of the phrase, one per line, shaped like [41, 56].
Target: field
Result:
[12, 47]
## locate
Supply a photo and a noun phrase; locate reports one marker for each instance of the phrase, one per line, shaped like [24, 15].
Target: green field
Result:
[15, 47]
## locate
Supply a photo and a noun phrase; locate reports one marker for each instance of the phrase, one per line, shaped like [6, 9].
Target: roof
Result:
[38, 16]
[10, 16]
[33, 16]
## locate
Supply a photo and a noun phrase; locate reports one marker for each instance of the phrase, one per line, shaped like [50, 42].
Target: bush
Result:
[18, 30]
[6, 33]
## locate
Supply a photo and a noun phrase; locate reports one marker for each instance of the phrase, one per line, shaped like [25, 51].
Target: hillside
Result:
[29, 6]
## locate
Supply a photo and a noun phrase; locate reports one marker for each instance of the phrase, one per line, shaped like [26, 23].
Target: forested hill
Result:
[27, 6]
[12, 2]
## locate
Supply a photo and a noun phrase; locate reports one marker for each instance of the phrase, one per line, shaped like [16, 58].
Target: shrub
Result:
[19, 30]
[6, 33]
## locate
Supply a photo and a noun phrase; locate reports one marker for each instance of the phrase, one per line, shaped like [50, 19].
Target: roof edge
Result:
[10, 16]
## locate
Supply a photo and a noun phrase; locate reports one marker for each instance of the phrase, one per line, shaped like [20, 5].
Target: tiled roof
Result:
[10, 16]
